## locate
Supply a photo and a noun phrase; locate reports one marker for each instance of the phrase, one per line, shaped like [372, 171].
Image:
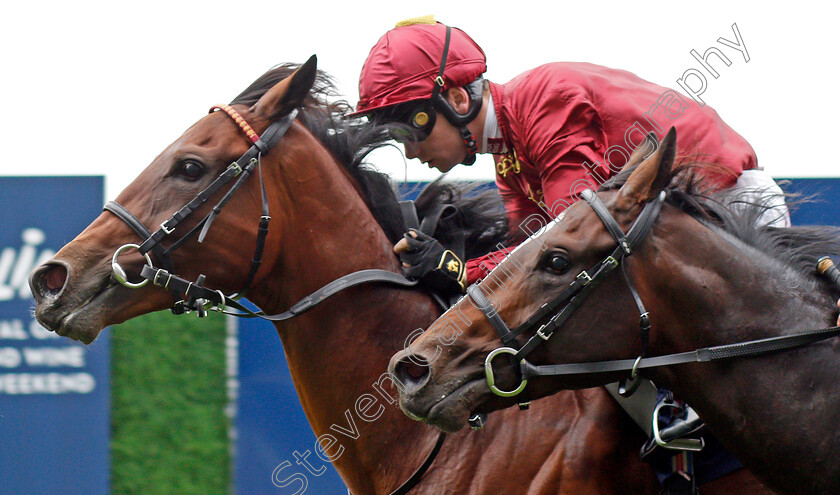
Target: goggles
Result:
[411, 123]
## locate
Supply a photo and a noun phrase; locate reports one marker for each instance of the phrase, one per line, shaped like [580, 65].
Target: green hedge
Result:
[169, 433]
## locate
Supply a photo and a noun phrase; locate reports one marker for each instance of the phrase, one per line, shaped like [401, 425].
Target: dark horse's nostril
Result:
[48, 280]
[412, 372]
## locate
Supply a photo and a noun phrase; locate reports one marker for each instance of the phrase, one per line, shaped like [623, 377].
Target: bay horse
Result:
[330, 216]
[703, 274]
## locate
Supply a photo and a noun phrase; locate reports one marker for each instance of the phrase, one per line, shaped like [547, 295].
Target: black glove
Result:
[435, 265]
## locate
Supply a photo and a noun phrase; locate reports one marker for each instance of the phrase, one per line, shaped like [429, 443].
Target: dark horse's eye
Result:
[190, 170]
[557, 262]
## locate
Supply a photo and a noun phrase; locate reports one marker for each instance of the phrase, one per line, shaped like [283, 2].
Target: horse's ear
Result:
[289, 93]
[643, 150]
[653, 175]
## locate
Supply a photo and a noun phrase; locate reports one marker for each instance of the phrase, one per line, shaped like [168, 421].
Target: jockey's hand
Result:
[425, 258]
[838, 316]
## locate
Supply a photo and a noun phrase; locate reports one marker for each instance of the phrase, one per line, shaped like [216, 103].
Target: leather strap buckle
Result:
[235, 166]
[584, 277]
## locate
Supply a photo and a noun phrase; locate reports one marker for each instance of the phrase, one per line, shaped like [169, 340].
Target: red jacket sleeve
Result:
[560, 132]
[565, 140]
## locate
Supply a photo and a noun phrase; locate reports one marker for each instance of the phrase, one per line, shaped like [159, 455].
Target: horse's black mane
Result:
[795, 247]
[480, 214]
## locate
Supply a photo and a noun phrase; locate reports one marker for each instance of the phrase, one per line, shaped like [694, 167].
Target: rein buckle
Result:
[477, 421]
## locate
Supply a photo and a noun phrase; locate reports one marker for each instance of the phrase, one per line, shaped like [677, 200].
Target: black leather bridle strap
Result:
[140, 229]
[483, 304]
[607, 219]
[706, 354]
[163, 278]
[250, 159]
[270, 137]
[558, 320]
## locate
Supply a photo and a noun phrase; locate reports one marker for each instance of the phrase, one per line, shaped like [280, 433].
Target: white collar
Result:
[492, 140]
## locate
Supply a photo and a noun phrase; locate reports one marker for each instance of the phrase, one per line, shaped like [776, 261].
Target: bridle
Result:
[573, 296]
[582, 286]
[202, 299]
[240, 169]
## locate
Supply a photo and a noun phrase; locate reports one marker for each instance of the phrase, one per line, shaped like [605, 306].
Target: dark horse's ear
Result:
[653, 175]
[643, 150]
[289, 93]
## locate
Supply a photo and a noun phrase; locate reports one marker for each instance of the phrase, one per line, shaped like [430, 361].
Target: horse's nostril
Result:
[55, 278]
[48, 280]
[412, 371]
[416, 371]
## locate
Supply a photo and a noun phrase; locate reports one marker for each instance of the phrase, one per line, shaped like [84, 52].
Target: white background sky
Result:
[102, 87]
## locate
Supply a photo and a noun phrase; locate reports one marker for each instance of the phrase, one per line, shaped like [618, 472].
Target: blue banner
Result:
[54, 393]
[275, 446]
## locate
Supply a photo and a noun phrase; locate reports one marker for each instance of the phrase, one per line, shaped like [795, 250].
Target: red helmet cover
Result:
[404, 63]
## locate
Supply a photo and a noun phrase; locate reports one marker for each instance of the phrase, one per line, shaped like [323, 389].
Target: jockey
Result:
[553, 130]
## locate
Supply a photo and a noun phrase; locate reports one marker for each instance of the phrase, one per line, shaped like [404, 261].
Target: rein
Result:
[200, 298]
[582, 286]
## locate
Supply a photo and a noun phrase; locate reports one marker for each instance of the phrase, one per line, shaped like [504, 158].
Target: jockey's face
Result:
[443, 149]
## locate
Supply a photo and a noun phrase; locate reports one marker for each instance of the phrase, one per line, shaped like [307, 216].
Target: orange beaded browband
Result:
[247, 129]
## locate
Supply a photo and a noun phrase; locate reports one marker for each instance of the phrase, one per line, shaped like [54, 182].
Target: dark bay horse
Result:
[330, 217]
[708, 277]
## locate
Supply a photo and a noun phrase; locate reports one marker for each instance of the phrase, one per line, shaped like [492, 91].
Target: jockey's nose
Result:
[411, 150]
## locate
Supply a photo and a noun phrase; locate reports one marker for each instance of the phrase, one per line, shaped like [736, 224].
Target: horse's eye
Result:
[190, 170]
[557, 262]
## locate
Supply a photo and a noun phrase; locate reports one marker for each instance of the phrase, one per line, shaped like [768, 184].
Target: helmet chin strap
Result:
[460, 121]
[472, 147]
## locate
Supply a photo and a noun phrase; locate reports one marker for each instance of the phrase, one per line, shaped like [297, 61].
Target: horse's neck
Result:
[725, 293]
[339, 351]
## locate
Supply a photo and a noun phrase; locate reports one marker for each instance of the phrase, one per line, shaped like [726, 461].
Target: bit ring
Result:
[491, 380]
[119, 273]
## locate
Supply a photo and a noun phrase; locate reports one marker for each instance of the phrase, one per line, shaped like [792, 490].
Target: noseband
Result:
[577, 291]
